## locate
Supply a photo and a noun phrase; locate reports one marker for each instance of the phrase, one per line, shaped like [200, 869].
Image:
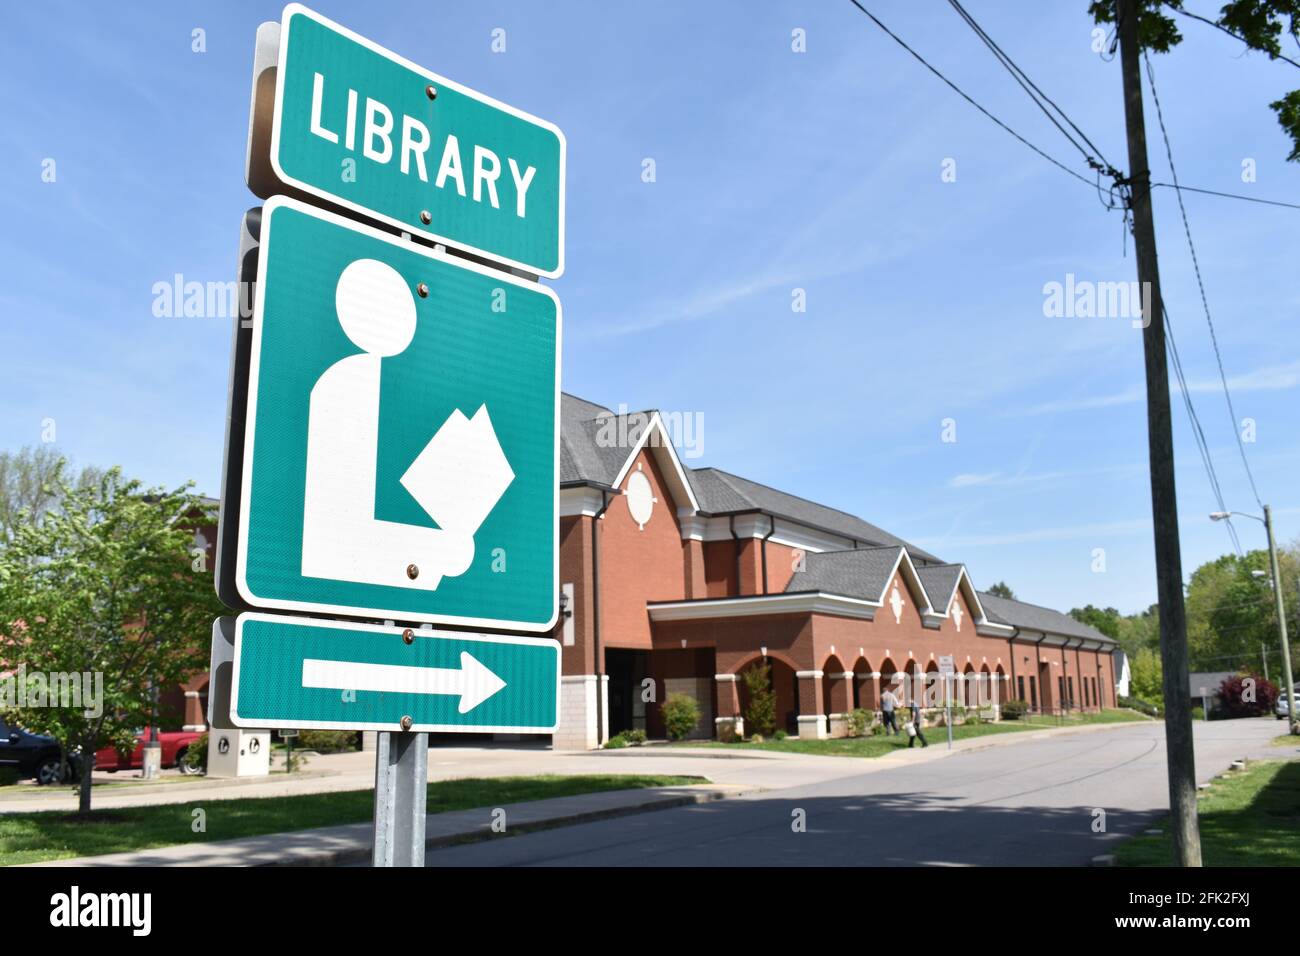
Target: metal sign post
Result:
[401, 788]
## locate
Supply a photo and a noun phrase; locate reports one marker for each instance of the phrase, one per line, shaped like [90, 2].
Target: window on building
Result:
[1020, 687]
[1033, 692]
[1069, 681]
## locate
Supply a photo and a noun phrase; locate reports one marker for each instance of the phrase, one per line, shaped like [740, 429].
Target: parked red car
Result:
[175, 744]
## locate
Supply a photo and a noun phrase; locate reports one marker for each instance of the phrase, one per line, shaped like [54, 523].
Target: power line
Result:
[1098, 163]
[1200, 284]
[1198, 435]
[964, 95]
[1121, 183]
[1232, 33]
[1215, 192]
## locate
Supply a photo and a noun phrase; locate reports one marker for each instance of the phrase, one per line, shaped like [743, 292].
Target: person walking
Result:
[914, 733]
[888, 705]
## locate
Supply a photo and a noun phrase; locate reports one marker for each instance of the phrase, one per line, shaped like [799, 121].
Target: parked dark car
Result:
[33, 755]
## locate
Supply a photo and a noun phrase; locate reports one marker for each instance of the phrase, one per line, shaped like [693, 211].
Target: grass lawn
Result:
[1250, 819]
[56, 834]
[879, 746]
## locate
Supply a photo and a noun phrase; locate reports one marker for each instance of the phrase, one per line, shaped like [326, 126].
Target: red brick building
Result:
[683, 577]
[676, 579]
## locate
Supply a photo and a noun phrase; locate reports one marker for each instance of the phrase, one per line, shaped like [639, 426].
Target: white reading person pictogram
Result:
[458, 478]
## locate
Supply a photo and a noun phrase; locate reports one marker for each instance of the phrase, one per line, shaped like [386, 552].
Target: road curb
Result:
[352, 842]
[484, 833]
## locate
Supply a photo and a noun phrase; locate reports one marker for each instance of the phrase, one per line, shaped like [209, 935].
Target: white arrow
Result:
[473, 683]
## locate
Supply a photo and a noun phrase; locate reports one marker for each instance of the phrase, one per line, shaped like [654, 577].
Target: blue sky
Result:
[775, 170]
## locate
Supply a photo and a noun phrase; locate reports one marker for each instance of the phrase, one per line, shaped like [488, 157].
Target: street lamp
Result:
[1267, 521]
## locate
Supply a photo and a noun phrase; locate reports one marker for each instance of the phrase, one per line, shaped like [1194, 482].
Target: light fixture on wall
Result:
[565, 613]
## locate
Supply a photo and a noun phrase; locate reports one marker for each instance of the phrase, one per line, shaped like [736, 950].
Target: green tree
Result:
[760, 699]
[105, 583]
[1002, 590]
[1141, 630]
[1106, 621]
[27, 487]
[1259, 24]
[1231, 616]
[1145, 676]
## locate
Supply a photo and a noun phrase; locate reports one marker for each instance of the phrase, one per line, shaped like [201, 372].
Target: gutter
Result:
[771, 530]
[598, 664]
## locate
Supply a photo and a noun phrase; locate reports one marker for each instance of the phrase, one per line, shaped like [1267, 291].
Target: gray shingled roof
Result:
[1210, 680]
[857, 574]
[939, 581]
[1036, 618]
[720, 492]
[584, 458]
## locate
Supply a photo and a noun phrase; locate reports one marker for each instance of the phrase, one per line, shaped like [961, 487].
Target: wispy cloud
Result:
[1268, 379]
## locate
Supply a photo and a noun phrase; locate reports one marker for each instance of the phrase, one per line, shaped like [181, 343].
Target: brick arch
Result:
[886, 680]
[865, 691]
[837, 693]
[783, 683]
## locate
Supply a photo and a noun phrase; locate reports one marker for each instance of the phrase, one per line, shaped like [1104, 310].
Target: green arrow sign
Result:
[310, 673]
[401, 449]
[362, 127]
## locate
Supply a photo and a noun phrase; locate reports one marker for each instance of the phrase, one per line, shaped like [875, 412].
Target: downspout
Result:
[1038, 668]
[1011, 647]
[598, 665]
[771, 530]
[735, 544]
[1078, 667]
[1065, 677]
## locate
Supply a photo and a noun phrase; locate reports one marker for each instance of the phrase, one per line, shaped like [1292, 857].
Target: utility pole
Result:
[1281, 622]
[1160, 443]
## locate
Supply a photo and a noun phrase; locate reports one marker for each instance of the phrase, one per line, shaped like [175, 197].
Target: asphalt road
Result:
[1035, 803]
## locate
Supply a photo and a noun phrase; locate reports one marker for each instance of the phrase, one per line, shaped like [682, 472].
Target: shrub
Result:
[196, 754]
[1247, 695]
[780, 735]
[877, 730]
[617, 742]
[1198, 712]
[681, 714]
[760, 699]
[635, 738]
[326, 741]
[756, 739]
[855, 722]
[1014, 709]
[973, 718]
[1141, 706]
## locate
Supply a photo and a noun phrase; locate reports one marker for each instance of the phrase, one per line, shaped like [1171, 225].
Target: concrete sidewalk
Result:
[351, 843]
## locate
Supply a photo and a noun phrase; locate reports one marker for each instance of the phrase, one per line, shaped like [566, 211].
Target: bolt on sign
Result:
[359, 126]
[328, 674]
[401, 443]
